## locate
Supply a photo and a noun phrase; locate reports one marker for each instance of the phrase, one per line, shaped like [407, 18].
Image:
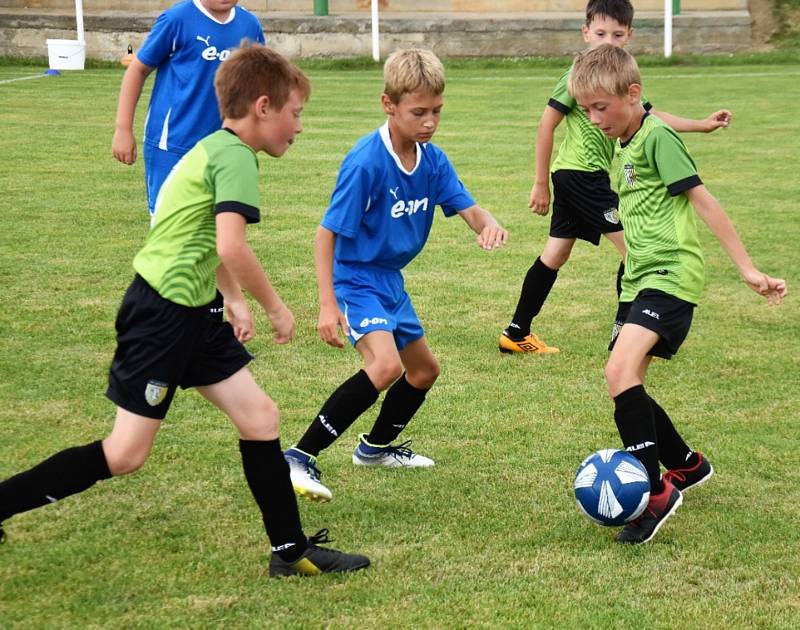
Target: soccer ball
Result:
[612, 487]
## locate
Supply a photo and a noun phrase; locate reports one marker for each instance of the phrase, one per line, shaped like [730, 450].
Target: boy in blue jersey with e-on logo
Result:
[185, 46]
[379, 218]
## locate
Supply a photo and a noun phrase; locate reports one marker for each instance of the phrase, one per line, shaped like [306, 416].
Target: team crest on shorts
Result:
[612, 216]
[155, 392]
[630, 175]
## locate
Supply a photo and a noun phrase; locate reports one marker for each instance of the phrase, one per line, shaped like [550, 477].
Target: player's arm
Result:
[539, 200]
[246, 272]
[236, 309]
[712, 213]
[720, 118]
[490, 233]
[123, 145]
[331, 317]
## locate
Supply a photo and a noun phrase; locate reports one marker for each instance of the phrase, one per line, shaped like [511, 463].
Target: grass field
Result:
[489, 538]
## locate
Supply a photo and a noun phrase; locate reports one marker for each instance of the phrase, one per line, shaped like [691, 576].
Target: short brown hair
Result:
[253, 71]
[412, 70]
[607, 68]
[619, 10]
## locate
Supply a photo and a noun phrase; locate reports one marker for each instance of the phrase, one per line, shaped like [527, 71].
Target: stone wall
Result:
[23, 31]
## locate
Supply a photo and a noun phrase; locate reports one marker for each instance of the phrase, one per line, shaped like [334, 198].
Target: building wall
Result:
[400, 6]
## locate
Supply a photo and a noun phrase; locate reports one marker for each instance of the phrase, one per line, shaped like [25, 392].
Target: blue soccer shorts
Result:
[376, 300]
[157, 166]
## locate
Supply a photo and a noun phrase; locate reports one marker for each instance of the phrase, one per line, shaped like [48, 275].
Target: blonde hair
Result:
[607, 68]
[253, 71]
[412, 70]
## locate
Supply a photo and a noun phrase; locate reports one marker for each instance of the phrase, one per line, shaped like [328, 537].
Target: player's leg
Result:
[158, 164]
[536, 286]
[76, 469]
[618, 240]
[633, 415]
[256, 418]
[370, 331]
[401, 402]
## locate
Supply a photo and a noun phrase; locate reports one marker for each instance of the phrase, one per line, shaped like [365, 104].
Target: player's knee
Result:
[617, 377]
[263, 421]
[385, 372]
[123, 459]
[555, 260]
[424, 377]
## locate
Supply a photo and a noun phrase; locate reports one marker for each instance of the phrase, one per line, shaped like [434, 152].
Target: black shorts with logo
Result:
[161, 345]
[666, 315]
[584, 206]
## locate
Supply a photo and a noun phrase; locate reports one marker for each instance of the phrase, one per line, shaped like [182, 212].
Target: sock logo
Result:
[327, 425]
[283, 547]
[639, 447]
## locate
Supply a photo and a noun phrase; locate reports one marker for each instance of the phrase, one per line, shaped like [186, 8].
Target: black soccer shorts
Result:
[584, 206]
[666, 315]
[162, 345]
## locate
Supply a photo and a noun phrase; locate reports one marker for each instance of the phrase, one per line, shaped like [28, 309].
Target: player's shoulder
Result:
[245, 14]
[365, 150]
[179, 10]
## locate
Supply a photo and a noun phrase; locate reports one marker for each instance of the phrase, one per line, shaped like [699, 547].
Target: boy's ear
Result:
[388, 105]
[635, 92]
[262, 106]
[585, 32]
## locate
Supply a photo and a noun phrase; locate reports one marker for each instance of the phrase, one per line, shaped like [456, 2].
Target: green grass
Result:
[489, 538]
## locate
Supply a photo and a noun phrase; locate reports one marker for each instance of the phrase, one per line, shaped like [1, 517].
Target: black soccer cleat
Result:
[316, 560]
[660, 507]
[685, 478]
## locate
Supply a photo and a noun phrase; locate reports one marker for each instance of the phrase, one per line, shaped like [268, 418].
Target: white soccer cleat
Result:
[305, 475]
[399, 456]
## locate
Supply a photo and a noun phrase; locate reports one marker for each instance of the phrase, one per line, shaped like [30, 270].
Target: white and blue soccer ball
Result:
[612, 487]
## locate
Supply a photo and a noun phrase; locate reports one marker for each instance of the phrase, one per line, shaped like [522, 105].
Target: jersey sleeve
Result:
[160, 41]
[350, 199]
[667, 153]
[451, 194]
[233, 176]
[560, 99]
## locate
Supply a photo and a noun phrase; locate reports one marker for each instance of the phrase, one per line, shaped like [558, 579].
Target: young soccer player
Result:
[584, 205]
[167, 335]
[659, 193]
[186, 46]
[379, 218]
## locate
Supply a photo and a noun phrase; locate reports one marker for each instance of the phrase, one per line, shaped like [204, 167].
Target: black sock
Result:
[267, 474]
[68, 472]
[535, 289]
[399, 406]
[350, 400]
[672, 450]
[620, 273]
[634, 417]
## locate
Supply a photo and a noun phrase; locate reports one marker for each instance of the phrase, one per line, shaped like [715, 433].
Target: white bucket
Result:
[66, 54]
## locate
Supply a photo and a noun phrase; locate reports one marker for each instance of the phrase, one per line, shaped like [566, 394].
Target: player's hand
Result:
[240, 317]
[331, 320]
[721, 118]
[492, 237]
[282, 322]
[539, 201]
[774, 289]
[123, 146]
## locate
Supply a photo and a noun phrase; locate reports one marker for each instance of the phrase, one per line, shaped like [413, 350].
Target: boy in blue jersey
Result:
[186, 46]
[379, 218]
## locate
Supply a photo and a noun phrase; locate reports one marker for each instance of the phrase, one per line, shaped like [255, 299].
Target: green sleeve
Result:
[561, 99]
[668, 155]
[232, 175]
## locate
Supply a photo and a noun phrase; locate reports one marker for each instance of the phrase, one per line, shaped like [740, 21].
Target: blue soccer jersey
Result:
[382, 213]
[186, 45]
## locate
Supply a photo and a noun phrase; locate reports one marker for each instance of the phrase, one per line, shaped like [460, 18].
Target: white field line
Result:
[33, 76]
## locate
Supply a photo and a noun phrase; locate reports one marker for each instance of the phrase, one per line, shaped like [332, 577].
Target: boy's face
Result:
[616, 116]
[606, 30]
[220, 9]
[278, 127]
[415, 117]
